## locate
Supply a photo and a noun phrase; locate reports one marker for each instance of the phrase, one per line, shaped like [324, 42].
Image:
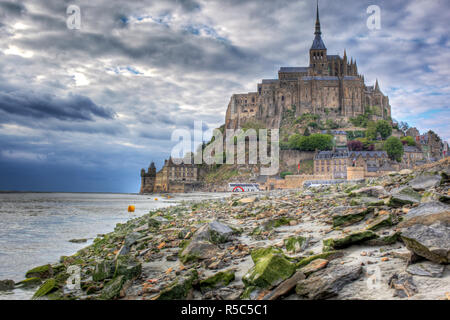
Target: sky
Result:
[83, 110]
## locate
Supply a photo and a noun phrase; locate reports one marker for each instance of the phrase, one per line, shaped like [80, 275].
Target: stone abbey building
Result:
[173, 177]
[330, 86]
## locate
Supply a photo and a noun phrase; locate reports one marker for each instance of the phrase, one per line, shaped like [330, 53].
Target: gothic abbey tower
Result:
[330, 86]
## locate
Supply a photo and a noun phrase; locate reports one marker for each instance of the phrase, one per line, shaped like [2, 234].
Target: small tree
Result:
[408, 141]
[384, 128]
[355, 145]
[394, 148]
[306, 133]
[371, 132]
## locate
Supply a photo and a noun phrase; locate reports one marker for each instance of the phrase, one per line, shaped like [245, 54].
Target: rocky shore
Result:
[382, 238]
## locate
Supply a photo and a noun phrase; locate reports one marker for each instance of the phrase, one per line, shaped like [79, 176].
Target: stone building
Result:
[332, 163]
[330, 86]
[336, 163]
[175, 176]
[431, 146]
[412, 156]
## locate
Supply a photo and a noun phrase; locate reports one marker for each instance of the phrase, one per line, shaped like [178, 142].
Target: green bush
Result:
[311, 143]
[384, 129]
[408, 140]
[394, 148]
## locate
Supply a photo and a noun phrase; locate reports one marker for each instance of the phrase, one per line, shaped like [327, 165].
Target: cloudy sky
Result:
[84, 110]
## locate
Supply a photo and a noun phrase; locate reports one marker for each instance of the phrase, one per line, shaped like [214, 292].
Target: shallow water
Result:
[35, 228]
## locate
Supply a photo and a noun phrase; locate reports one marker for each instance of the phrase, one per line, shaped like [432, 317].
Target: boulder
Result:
[381, 221]
[42, 272]
[220, 279]
[425, 181]
[156, 221]
[285, 287]
[314, 266]
[180, 288]
[427, 214]
[112, 288]
[427, 269]
[295, 244]
[405, 172]
[328, 282]
[375, 191]
[198, 250]
[349, 240]
[47, 287]
[104, 270]
[345, 216]
[6, 285]
[127, 267]
[330, 255]
[214, 232]
[404, 196]
[29, 283]
[270, 269]
[431, 242]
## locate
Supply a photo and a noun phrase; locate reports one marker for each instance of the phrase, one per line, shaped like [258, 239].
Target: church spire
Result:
[318, 43]
[318, 32]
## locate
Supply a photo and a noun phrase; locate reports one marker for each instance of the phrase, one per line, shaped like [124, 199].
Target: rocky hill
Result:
[385, 238]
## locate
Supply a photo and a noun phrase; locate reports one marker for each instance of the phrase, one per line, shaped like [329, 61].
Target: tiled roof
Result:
[411, 149]
[367, 154]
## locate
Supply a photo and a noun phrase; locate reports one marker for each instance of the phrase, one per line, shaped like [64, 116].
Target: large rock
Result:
[112, 288]
[128, 267]
[104, 270]
[431, 242]
[404, 196]
[270, 269]
[6, 285]
[380, 222]
[47, 287]
[180, 288]
[345, 216]
[214, 232]
[198, 250]
[425, 181]
[427, 269]
[427, 214]
[375, 191]
[328, 282]
[349, 240]
[42, 272]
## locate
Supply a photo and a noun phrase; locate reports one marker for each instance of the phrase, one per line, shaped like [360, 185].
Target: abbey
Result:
[330, 86]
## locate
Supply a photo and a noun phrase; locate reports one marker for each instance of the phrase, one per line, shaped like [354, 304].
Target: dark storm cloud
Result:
[41, 106]
[12, 8]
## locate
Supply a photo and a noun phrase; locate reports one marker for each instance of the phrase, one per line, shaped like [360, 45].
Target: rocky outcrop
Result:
[427, 214]
[431, 242]
[6, 285]
[270, 269]
[425, 181]
[328, 282]
[404, 196]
